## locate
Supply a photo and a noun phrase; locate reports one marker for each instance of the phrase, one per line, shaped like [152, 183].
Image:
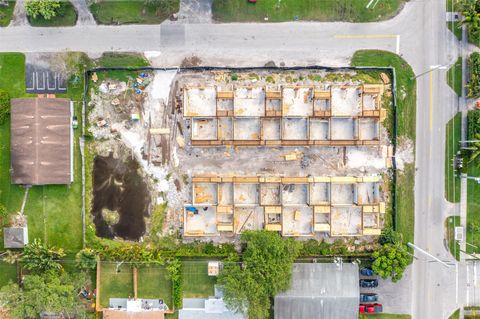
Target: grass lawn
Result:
[66, 16]
[196, 282]
[8, 273]
[453, 246]
[115, 284]
[452, 182]
[455, 315]
[384, 316]
[473, 208]
[456, 28]
[155, 283]
[54, 211]
[454, 77]
[307, 10]
[406, 106]
[6, 13]
[131, 12]
[120, 60]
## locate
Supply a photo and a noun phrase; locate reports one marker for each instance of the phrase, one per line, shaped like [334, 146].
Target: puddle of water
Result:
[117, 186]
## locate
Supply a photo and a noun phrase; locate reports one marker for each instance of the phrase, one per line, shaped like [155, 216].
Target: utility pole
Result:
[433, 68]
[428, 254]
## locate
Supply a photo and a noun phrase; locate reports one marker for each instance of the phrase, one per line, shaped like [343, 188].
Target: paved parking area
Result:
[395, 297]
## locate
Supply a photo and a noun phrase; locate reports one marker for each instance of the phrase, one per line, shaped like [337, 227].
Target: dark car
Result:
[366, 272]
[370, 308]
[368, 297]
[368, 283]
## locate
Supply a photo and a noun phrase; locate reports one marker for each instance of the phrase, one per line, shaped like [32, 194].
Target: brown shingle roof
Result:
[41, 141]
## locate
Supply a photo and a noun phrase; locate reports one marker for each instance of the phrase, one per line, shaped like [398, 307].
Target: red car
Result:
[370, 308]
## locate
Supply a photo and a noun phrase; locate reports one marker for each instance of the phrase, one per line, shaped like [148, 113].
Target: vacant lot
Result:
[307, 10]
[406, 106]
[452, 181]
[54, 211]
[132, 12]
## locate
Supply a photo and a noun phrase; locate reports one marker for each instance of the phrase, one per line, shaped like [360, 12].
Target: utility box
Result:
[459, 231]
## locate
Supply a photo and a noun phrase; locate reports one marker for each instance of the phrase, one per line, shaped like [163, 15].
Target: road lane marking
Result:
[366, 36]
[431, 98]
[456, 283]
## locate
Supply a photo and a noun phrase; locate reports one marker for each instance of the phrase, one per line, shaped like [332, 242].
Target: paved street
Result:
[418, 33]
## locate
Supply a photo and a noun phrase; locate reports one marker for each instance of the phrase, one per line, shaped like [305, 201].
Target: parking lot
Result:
[394, 297]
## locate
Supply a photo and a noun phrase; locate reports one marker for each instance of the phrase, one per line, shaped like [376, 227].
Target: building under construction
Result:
[294, 206]
[284, 115]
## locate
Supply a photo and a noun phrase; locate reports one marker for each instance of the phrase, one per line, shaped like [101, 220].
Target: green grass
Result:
[6, 13]
[131, 12]
[8, 273]
[120, 60]
[453, 246]
[307, 10]
[65, 17]
[452, 182]
[54, 211]
[384, 316]
[456, 28]
[406, 106]
[115, 284]
[455, 314]
[473, 208]
[196, 282]
[155, 283]
[454, 77]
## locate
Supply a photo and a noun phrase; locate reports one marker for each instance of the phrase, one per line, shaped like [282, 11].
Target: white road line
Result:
[369, 4]
[456, 283]
[398, 44]
[475, 274]
[468, 285]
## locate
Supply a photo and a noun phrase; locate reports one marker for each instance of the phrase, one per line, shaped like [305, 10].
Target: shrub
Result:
[4, 106]
[173, 268]
[47, 9]
[473, 85]
[86, 259]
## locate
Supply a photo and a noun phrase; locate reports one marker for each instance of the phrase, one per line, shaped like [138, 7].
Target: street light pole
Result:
[436, 67]
[428, 254]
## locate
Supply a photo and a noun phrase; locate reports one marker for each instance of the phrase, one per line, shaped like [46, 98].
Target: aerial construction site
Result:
[306, 152]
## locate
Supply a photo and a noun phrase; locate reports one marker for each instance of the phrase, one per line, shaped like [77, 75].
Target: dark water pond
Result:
[118, 188]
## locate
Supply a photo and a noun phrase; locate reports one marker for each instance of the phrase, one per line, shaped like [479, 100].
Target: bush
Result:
[473, 85]
[473, 124]
[48, 9]
[4, 106]
[86, 259]
[173, 268]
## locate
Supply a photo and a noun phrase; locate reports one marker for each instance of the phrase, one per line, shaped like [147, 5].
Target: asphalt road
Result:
[418, 33]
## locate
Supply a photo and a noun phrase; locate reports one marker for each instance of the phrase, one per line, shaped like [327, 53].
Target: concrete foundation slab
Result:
[249, 101]
[368, 129]
[346, 221]
[270, 194]
[225, 194]
[343, 128]
[246, 129]
[319, 129]
[248, 218]
[205, 194]
[271, 129]
[295, 194]
[319, 193]
[200, 102]
[297, 221]
[295, 129]
[225, 128]
[297, 101]
[368, 193]
[342, 194]
[246, 194]
[346, 101]
[204, 129]
[203, 223]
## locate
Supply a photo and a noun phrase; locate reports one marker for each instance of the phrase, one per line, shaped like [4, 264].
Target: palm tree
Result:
[474, 148]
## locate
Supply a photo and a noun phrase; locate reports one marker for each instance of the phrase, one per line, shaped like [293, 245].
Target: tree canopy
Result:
[49, 292]
[265, 270]
[391, 261]
[39, 258]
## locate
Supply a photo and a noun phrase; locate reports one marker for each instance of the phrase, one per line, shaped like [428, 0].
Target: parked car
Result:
[370, 308]
[366, 272]
[368, 283]
[368, 297]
